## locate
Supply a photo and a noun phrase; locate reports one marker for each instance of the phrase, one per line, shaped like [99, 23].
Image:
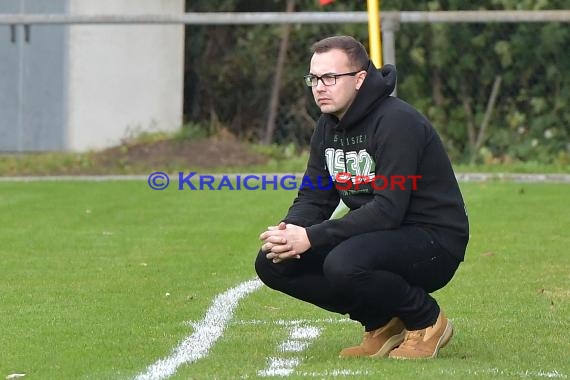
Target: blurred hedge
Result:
[446, 70]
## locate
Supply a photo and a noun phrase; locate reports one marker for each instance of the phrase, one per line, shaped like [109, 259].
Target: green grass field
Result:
[99, 280]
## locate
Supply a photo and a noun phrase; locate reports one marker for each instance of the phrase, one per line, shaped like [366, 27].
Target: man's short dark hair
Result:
[356, 52]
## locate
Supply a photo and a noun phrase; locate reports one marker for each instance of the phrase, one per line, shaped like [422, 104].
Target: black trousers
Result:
[372, 277]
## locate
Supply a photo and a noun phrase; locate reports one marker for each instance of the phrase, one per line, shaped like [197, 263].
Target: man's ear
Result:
[360, 78]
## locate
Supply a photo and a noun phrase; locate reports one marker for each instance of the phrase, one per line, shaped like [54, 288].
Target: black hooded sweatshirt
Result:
[386, 141]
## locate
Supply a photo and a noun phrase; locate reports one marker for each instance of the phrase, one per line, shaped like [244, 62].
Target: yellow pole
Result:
[374, 32]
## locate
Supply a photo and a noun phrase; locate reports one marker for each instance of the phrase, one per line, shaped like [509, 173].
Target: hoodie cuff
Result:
[317, 236]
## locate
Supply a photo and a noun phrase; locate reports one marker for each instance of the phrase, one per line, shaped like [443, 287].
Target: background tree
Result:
[495, 92]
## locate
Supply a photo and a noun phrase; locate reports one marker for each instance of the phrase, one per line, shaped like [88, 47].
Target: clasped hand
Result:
[284, 242]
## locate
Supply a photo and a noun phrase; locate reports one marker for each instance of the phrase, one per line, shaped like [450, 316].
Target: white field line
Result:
[300, 337]
[206, 333]
[279, 367]
[211, 327]
[334, 373]
[293, 322]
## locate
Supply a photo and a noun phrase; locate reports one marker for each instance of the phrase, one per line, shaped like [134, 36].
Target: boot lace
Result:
[412, 338]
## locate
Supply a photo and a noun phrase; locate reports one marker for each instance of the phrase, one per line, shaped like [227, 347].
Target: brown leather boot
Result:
[425, 343]
[379, 342]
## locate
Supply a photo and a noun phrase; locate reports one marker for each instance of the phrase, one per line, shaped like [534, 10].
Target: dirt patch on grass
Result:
[138, 157]
[206, 153]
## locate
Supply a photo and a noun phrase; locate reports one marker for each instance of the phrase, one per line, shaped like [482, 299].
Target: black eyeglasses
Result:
[327, 79]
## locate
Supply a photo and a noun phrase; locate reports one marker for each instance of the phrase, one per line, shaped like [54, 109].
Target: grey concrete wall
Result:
[123, 78]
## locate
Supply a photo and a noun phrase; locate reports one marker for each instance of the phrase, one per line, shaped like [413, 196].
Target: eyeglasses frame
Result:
[309, 78]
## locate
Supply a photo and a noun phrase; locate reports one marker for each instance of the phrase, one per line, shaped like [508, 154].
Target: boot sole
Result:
[442, 342]
[391, 343]
[445, 338]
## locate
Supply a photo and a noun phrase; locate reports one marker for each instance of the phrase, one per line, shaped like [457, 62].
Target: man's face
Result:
[335, 99]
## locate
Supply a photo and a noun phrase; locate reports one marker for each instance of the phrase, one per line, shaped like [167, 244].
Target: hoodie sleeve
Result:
[400, 138]
[317, 198]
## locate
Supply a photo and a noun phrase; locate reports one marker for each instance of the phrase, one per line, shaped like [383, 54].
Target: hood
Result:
[377, 86]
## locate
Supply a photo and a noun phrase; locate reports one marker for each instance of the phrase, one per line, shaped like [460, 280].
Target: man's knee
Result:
[276, 276]
[339, 271]
[262, 267]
